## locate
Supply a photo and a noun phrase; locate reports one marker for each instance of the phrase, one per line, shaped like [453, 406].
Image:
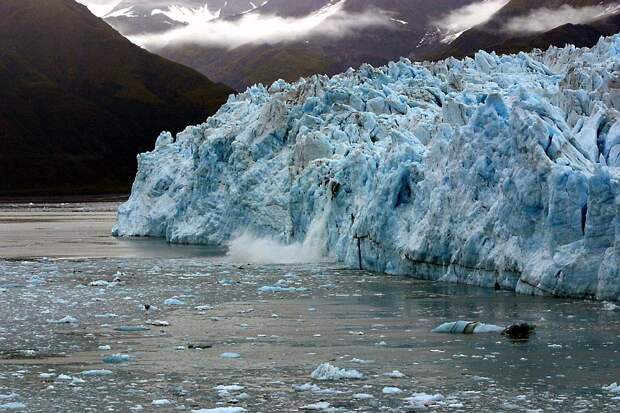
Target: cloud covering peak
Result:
[545, 19]
[466, 17]
[256, 28]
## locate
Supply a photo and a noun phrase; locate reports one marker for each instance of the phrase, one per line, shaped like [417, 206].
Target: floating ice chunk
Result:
[161, 402]
[12, 406]
[173, 301]
[103, 283]
[96, 373]
[467, 327]
[230, 355]
[612, 388]
[281, 289]
[116, 358]
[47, 375]
[395, 374]
[65, 320]
[307, 387]
[221, 410]
[361, 361]
[313, 388]
[230, 387]
[326, 371]
[363, 396]
[132, 329]
[9, 396]
[317, 406]
[421, 399]
[607, 306]
[158, 323]
[204, 307]
[391, 390]
[104, 348]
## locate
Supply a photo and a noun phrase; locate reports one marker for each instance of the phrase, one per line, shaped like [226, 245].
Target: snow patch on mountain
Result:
[100, 7]
[188, 15]
[124, 12]
[493, 170]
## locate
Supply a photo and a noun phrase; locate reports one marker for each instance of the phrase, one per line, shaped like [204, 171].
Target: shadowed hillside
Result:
[79, 101]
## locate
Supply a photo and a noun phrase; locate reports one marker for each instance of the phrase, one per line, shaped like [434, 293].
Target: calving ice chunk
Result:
[494, 170]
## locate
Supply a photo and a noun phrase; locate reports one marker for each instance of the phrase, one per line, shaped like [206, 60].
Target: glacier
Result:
[497, 171]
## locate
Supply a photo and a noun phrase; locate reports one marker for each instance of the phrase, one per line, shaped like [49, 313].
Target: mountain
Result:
[495, 171]
[398, 28]
[78, 101]
[585, 21]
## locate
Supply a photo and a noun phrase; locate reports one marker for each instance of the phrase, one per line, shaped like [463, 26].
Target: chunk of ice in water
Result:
[230, 355]
[230, 387]
[395, 374]
[363, 396]
[131, 329]
[612, 388]
[326, 371]
[96, 373]
[317, 406]
[116, 358]
[12, 406]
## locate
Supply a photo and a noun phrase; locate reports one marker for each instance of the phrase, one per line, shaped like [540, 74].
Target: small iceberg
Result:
[96, 373]
[116, 358]
[467, 327]
[131, 329]
[328, 372]
[221, 410]
[230, 355]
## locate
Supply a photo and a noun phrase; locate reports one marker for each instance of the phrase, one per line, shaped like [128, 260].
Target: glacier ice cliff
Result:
[496, 170]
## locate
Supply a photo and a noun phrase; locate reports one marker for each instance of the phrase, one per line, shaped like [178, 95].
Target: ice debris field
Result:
[339, 341]
[494, 170]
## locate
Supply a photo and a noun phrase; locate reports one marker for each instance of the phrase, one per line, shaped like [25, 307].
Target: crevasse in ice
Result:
[496, 170]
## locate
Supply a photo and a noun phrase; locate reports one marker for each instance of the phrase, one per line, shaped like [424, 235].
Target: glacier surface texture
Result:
[496, 170]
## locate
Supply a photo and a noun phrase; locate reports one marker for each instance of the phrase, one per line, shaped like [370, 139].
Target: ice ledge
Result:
[497, 169]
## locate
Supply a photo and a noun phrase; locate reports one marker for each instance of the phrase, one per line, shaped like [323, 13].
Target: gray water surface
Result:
[352, 319]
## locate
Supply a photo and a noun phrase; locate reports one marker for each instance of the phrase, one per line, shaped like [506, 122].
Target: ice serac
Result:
[497, 170]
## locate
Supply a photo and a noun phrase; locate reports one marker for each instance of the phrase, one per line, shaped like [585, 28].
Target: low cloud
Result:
[464, 18]
[544, 19]
[256, 28]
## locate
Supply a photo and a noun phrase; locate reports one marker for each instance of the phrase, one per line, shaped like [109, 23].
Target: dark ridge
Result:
[79, 101]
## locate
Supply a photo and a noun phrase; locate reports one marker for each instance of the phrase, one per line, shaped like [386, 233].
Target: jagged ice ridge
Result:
[493, 170]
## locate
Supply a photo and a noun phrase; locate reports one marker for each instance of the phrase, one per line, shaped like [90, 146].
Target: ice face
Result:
[495, 171]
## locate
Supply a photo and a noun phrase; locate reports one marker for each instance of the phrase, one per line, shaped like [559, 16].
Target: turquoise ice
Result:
[493, 170]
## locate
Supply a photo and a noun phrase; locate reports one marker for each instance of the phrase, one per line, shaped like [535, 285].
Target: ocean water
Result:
[73, 297]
